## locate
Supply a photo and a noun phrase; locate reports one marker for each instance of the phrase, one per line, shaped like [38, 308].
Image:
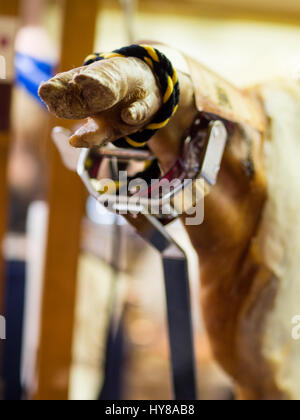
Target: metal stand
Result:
[180, 326]
[201, 161]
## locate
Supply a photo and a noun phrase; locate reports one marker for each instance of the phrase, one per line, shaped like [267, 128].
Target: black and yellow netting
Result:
[168, 80]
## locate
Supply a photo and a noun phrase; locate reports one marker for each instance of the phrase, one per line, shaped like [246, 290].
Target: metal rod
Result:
[180, 327]
[178, 301]
[129, 9]
[127, 154]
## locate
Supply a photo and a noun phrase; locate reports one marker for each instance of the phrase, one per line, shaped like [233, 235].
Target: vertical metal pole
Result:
[129, 9]
[181, 339]
[178, 302]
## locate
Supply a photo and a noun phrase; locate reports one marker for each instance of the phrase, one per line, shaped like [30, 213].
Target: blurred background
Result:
[81, 294]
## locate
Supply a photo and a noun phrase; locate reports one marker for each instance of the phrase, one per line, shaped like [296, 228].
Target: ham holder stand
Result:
[195, 173]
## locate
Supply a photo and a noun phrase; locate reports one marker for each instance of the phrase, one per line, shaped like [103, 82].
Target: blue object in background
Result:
[12, 346]
[30, 73]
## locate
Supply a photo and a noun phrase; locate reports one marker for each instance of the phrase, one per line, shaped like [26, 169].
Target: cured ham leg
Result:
[245, 245]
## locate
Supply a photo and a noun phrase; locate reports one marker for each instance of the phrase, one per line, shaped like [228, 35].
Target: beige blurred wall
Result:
[254, 9]
[244, 51]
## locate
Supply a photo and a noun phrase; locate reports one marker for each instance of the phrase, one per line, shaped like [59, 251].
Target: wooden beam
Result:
[9, 7]
[66, 204]
[265, 6]
[266, 10]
